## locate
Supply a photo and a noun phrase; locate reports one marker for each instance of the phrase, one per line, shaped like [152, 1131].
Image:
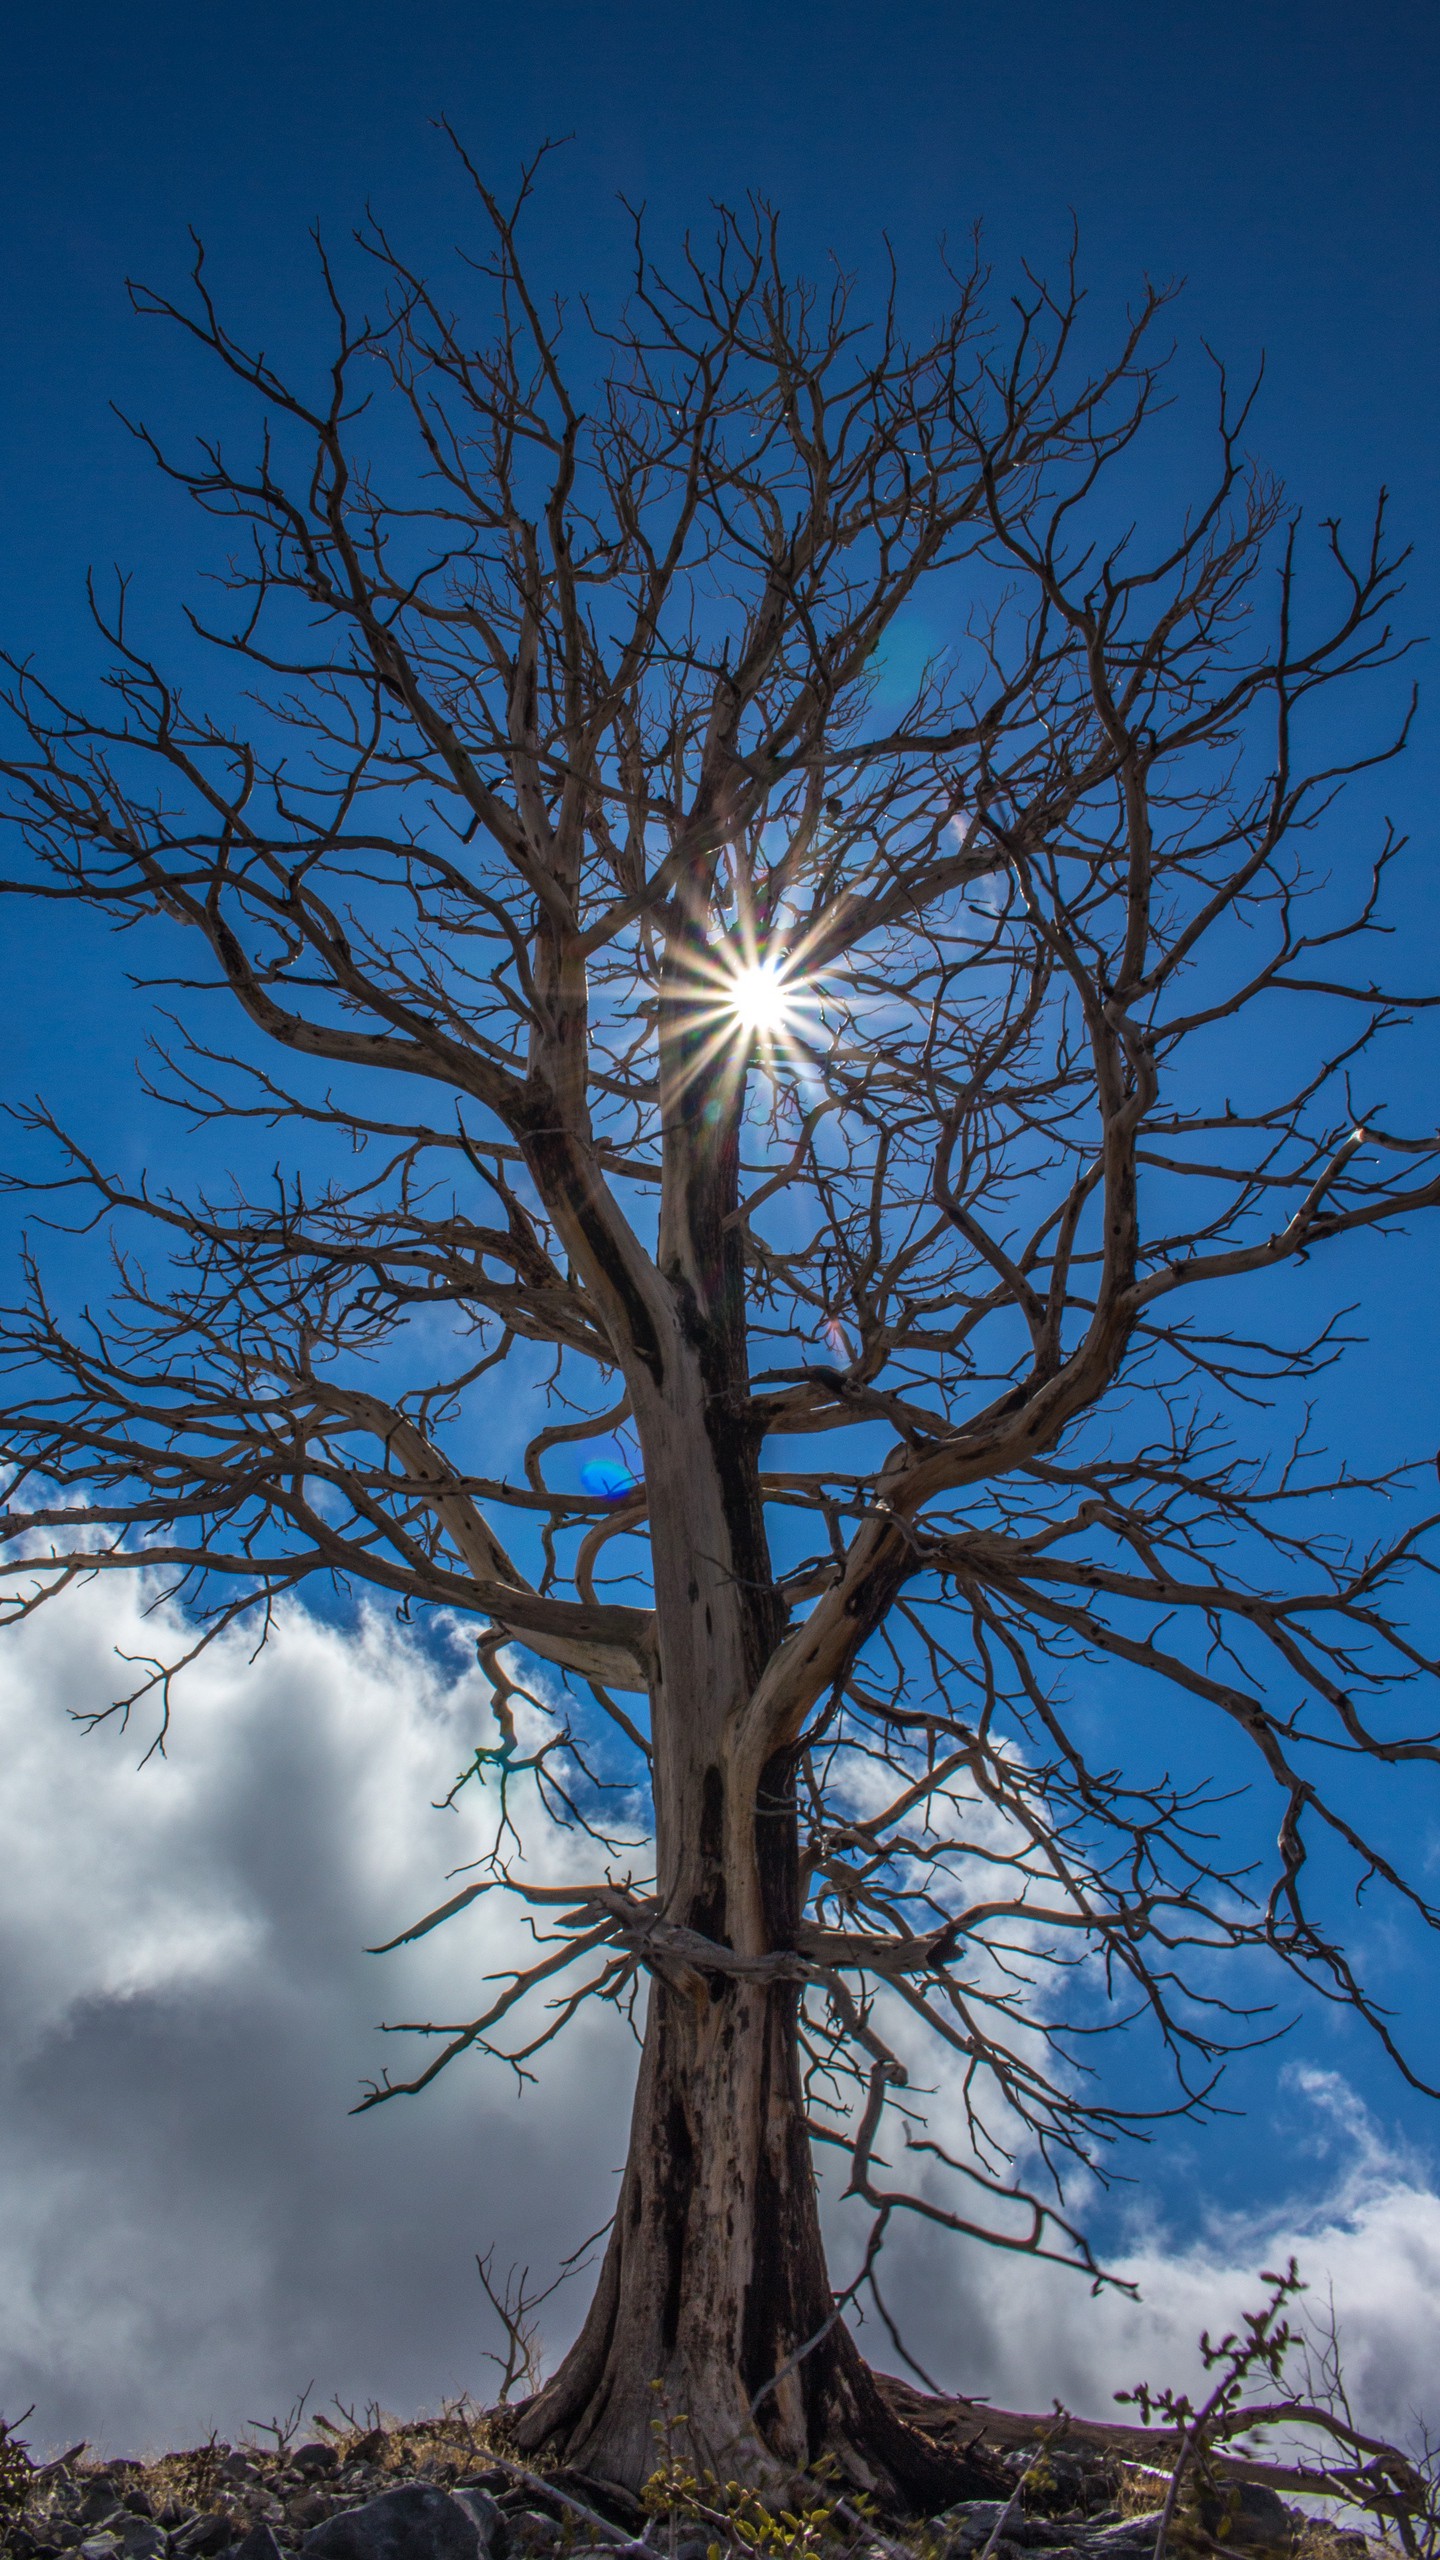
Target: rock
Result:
[420, 2522]
[489, 2519]
[602, 2498]
[535, 2531]
[259, 2544]
[209, 2533]
[972, 2524]
[313, 2459]
[1069, 2480]
[1248, 2514]
[139, 2537]
[311, 2507]
[98, 2500]
[1130, 2540]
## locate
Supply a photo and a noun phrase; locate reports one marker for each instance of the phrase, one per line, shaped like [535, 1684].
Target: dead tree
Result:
[750, 1019]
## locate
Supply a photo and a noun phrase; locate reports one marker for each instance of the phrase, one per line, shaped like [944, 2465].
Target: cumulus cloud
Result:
[192, 2224]
[1366, 2237]
[193, 2227]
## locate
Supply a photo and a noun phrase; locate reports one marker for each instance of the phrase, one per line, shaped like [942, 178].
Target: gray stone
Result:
[139, 2537]
[420, 2522]
[314, 2458]
[1248, 2514]
[208, 2533]
[535, 2531]
[259, 2544]
[1071, 2472]
[972, 2524]
[490, 2521]
[98, 2502]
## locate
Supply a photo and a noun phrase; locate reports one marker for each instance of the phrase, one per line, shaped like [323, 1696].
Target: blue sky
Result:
[1279, 157]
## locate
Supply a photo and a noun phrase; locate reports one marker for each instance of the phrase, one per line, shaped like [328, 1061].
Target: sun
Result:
[762, 999]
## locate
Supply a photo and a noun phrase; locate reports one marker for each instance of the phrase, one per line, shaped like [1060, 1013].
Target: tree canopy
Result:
[781, 884]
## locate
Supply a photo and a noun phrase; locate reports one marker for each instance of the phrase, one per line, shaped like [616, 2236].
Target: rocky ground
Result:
[441, 2490]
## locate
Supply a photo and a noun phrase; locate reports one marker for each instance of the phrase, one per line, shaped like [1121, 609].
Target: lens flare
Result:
[761, 999]
[750, 1007]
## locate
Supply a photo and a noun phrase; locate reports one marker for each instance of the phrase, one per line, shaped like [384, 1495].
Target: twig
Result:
[608, 2532]
[1058, 2426]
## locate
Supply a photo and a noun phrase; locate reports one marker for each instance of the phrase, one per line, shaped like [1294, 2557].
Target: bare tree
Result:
[755, 1020]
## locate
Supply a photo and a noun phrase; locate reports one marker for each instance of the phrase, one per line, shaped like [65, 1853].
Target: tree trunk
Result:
[715, 2279]
[713, 2316]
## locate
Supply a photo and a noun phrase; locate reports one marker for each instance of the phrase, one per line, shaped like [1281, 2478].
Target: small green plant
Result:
[1364, 2471]
[1262, 2348]
[680, 2492]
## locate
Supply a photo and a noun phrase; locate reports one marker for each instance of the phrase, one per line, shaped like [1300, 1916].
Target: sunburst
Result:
[749, 1001]
[764, 998]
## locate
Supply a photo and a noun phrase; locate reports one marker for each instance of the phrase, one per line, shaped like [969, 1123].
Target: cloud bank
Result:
[192, 2225]
[193, 2228]
[1367, 2241]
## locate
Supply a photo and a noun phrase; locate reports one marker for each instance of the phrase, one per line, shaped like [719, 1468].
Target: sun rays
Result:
[762, 997]
[747, 1002]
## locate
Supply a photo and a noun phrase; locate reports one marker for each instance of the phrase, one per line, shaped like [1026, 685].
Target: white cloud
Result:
[1024, 2335]
[192, 2225]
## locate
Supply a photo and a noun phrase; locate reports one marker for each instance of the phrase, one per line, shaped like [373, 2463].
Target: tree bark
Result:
[714, 2314]
[714, 2283]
